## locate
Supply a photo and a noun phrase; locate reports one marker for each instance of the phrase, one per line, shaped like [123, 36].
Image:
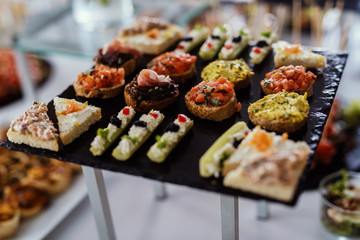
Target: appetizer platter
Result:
[182, 163]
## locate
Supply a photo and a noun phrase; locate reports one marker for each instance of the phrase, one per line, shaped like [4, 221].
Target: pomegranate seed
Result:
[209, 45]
[228, 47]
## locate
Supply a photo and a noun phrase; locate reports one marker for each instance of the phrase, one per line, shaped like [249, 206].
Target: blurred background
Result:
[44, 44]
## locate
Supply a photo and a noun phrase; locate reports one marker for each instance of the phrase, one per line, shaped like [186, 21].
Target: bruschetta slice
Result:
[213, 100]
[280, 112]
[178, 66]
[289, 78]
[100, 82]
[117, 55]
[236, 71]
[149, 91]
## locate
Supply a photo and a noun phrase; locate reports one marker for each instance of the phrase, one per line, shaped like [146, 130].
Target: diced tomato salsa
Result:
[288, 78]
[172, 63]
[215, 92]
[101, 77]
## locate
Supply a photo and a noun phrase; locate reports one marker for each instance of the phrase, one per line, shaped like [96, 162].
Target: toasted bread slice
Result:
[100, 82]
[280, 112]
[277, 125]
[73, 124]
[289, 54]
[146, 106]
[182, 78]
[34, 128]
[147, 43]
[235, 179]
[308, 90]
[214, 113]
[32, 141]
[108, 92]
[236, 71]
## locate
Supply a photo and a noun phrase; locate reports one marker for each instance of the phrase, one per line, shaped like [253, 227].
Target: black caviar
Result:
[114, 120]
[172, 127]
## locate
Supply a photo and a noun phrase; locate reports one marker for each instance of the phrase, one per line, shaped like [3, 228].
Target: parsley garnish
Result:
[161, 143]
[103, 133]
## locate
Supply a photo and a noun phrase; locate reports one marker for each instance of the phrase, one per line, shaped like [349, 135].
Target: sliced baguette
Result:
[214, 113]
[308, 90]
[277, 125]
[108, 92]
[150, 45]
[146, 106]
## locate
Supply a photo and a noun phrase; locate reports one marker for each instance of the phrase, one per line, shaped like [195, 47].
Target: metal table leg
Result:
[262, 210]
[99, 202]
[160, 190]
[229, 217]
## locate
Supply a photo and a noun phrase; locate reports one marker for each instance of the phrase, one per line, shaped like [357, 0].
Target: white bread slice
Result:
[214, 113]
[74, 124]
[305, 58]
[150, 45]
[235, 179]
[34, 128]
[32, 141]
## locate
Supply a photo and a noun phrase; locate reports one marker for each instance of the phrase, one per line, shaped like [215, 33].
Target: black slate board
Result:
[182, 165]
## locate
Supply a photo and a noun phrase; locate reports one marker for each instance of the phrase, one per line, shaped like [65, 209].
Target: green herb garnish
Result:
[215, 101]
[103, 133]
[198, 27]
[222, 159]
[338, 187]
[134, 140]
[119, 61]
[161, 143]
[266, 34]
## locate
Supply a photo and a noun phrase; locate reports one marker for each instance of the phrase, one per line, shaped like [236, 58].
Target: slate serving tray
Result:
[182, 165]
